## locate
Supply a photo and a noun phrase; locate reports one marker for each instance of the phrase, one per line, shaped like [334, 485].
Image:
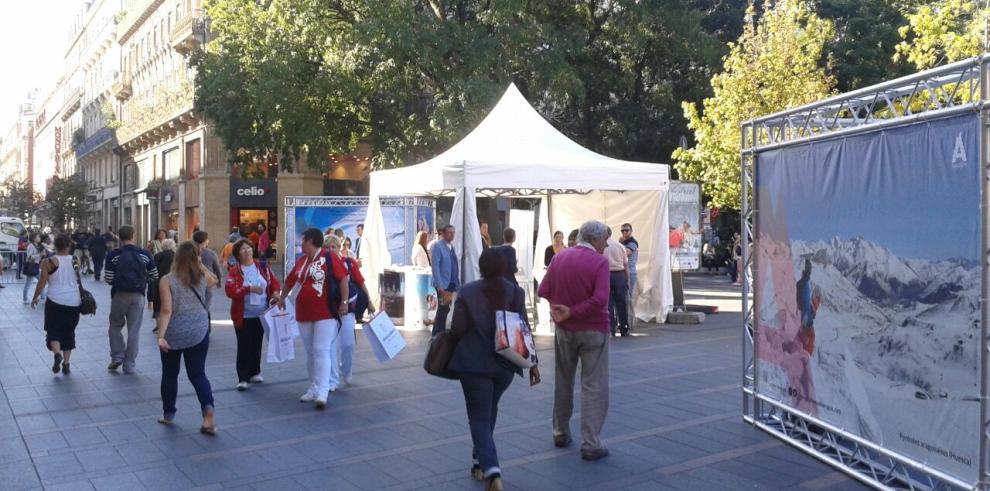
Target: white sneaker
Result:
[257, 379]
[242, 386]
[309, 396]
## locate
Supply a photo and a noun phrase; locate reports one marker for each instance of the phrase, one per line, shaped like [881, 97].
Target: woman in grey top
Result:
[184, 332]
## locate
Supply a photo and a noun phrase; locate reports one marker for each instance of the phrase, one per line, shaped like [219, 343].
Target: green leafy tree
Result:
[943, 31]
[776, 63]
[66, 200]
[18, 198]
[866, 36]
[294, 80]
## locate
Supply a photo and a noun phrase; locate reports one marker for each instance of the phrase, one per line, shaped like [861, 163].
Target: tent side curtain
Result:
[646, 211]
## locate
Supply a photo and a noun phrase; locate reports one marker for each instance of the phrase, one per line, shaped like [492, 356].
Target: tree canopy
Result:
[943, 31]
[776, 63]
[294, 80]
[18, 198]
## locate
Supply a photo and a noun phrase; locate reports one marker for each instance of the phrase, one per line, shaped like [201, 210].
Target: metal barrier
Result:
[11, 263]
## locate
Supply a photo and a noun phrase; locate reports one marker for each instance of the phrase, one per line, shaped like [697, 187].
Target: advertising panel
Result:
[867, 283]
[685, 225]
[403, 217]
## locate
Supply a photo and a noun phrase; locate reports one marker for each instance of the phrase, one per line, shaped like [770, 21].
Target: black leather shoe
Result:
[561, 441]
[596, 454]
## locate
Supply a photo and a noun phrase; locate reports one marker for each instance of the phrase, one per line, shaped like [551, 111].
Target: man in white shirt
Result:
[618, 266]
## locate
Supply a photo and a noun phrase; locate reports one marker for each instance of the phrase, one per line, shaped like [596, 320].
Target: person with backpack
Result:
[184, 332]
[128, 271]
[60, 273]
[252, 287]
[322, 281]
[358, 303]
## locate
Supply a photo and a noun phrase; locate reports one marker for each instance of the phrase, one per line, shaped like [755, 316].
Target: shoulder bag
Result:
[87, 304]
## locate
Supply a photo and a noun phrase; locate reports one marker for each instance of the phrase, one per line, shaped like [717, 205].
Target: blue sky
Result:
[906, 188]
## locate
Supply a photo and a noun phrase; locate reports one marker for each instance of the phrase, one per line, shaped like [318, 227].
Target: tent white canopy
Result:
[515, 152]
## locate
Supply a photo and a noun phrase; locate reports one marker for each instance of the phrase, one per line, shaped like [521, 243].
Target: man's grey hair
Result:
[591, 230]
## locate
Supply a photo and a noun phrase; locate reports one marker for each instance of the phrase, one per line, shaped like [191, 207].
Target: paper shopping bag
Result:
[383, 337]
[513, 339]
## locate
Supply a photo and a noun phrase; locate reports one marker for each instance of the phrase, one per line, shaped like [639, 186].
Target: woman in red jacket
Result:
[251, 287]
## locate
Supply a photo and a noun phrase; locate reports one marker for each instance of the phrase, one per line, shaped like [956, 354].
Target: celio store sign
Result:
[253, 193]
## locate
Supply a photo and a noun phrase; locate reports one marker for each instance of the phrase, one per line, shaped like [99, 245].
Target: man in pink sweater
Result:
[577, 287]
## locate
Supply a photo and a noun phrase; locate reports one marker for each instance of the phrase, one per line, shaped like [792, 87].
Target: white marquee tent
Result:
[514, 152]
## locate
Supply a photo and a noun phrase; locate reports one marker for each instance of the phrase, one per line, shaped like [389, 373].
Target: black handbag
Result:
[87, 304]
[31, 269]
[439, 354]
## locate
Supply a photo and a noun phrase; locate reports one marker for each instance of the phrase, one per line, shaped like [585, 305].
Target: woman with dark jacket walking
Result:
[251, 287]
[484, 375]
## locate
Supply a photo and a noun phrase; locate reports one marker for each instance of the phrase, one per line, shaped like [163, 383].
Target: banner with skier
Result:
[868, 284]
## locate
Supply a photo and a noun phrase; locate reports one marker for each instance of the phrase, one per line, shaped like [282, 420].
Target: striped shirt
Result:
[110, 268]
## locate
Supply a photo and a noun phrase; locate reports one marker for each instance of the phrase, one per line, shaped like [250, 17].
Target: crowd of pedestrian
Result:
[589, 282]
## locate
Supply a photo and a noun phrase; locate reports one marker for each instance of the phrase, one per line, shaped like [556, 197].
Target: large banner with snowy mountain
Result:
[868, 287]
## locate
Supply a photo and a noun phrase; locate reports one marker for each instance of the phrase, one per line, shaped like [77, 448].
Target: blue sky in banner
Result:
[913, 189]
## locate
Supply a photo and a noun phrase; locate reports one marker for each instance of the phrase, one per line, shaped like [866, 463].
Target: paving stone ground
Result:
[674, 420]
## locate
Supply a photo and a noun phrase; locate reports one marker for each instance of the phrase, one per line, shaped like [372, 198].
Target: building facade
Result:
[175, 169]
[17, 146]
[96, 160]
[47, 138]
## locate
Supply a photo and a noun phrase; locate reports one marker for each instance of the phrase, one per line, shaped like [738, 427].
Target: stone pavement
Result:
[674, 421]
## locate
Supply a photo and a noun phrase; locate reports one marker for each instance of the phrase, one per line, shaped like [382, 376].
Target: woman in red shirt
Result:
[318, 324]
[251, 286]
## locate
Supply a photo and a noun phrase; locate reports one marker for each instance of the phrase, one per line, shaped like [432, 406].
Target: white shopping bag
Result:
[281, 329]
[513, 339]
[384, 338]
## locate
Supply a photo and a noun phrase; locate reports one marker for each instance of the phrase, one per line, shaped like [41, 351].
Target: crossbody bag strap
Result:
[75, 267]
[201, 302]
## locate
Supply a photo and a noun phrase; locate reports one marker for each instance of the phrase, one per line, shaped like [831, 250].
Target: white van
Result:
[10, 232]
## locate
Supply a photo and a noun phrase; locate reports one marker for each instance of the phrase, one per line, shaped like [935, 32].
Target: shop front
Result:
[254, 202]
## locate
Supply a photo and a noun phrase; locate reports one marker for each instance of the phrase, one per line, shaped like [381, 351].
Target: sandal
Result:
[208, 430]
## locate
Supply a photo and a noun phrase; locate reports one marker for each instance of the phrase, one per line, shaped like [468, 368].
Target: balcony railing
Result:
[150, 110]
[188, 31]
[122, 86]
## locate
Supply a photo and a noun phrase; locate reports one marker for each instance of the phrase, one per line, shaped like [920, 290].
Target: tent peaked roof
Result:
[515, 148]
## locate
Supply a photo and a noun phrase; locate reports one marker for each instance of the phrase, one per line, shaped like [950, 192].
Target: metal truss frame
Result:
[958, 88]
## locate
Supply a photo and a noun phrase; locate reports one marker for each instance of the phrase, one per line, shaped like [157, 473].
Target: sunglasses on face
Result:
[626, 230]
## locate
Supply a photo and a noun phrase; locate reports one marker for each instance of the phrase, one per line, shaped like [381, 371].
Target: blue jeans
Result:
[195, 358]
[618, 313]
[481, 396]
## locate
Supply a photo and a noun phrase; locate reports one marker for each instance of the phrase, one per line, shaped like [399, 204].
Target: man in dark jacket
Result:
[509, 253]
[98, 252]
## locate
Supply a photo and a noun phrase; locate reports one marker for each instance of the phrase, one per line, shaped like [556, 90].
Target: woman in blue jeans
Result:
[184, 332]
[485, 375]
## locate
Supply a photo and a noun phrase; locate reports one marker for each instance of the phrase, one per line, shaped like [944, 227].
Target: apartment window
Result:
[193, 159]
[172, 164]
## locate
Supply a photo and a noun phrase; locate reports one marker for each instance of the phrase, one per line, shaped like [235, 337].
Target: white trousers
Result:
[345, 349]
[318, 340]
